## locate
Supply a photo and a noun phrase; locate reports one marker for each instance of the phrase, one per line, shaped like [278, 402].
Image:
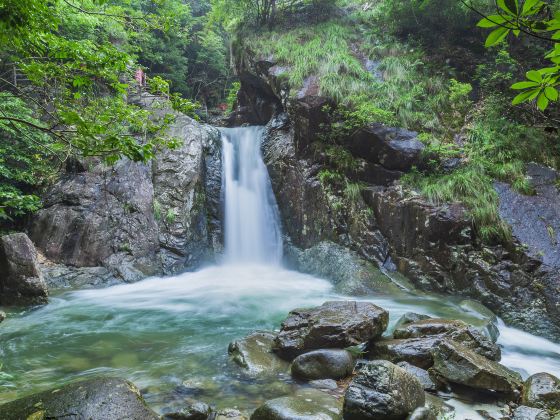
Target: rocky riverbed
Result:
[343, 366]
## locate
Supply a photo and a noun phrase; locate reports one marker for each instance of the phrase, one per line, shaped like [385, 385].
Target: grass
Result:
[410, 91]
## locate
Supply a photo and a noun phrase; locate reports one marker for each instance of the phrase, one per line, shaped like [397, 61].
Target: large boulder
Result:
[422, 375]
[416, 351]
[254, 353]
[382, 390]
[195, 411]
[393, 148]
[323, 364]
[542, 390]
[93, 399]
[455, 330]
[457, 364]
[307, 405]
[337, 324]
[21, 280]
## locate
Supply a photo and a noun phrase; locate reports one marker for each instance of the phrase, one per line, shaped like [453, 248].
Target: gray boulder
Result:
[422, 375]
[21, 281]
[337, 324]
[416, 351]
[323, 364]
[93, 399]
[254, 353]
[393, 148]
[529, 413]
[542, 390]
[457, 364]
[455, 330]
[195, 411]
[382, 390]
[307, 405]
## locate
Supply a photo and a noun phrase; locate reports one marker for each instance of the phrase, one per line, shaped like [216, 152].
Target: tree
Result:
[540, 21]
[75, 61]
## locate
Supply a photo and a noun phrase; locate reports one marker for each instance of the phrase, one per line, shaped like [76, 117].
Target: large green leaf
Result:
[524, 85]
[496, 36]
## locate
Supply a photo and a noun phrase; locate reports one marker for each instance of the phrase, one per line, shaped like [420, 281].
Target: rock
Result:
[95, 399]
[416, 351]
[2, 316]
[325, 384]
[455, 330]
[58, 276]
[195, 411]
[137, 219]
[337, 324]
[422, 413]
[422, 375]
[323, 364]
[230, 414]
[457, 364]
[347, 270]
[21, 280]
[254, 353]
[409, 318]
[542, 390]
[382, 390]
[393, 148]
[306, 405]
[529, 413]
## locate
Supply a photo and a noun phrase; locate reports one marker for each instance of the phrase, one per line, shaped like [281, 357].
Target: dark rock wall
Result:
[135, 219]
[434, 246]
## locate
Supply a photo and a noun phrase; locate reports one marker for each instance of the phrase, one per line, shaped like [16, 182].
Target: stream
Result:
[170, 335]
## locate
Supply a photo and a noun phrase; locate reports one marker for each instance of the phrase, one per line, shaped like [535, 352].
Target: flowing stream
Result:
[170, 335]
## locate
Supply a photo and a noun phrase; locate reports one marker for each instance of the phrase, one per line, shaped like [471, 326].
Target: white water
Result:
[252, 222]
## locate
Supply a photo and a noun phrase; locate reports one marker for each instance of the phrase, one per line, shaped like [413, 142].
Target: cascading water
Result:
[252, 222]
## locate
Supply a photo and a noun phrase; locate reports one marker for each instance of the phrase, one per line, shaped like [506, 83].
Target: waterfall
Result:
[252, 222]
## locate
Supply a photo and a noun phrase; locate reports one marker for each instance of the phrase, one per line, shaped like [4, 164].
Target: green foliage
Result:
[232, 95]
[535, 18]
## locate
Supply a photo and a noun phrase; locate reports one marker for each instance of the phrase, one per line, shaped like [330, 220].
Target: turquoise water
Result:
[170, 335]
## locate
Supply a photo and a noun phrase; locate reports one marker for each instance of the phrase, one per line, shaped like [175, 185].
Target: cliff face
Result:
[136, 220]
[389, 225]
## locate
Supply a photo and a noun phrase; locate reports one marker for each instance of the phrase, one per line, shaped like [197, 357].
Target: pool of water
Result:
[170, 335]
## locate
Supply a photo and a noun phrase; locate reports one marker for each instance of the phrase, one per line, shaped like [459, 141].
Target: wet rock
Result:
[323, 364]
[95, 399]
[422, 375]
[195, 411]
[254, 353]
[230, 414]
[325, 384]
[2, 316]
[21, 280]
[382, 390]
[349, 272]
[393, 148]
[529, 413]
[457, 364]
[337, 324]
[455, 330]
[58, 276]
[422, 413]
[409, 318]
[416, 351]
[306, 405]
[542, 390]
